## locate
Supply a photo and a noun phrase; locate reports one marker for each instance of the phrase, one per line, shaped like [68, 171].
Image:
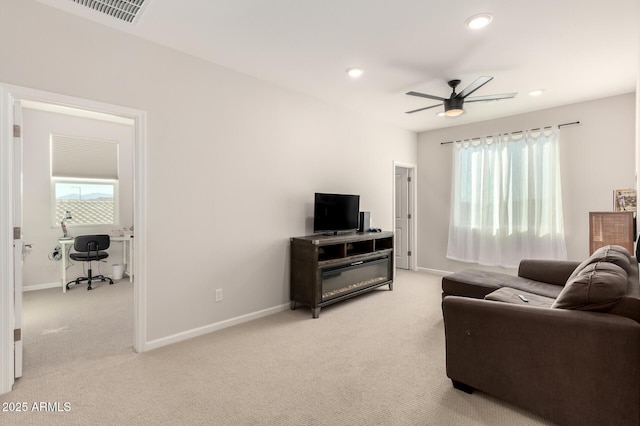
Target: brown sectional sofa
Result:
[561, 339]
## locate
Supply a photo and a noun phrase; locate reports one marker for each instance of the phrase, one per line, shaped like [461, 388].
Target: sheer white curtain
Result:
[506, 200]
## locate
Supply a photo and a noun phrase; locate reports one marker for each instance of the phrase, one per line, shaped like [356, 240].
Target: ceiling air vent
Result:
[124, 10]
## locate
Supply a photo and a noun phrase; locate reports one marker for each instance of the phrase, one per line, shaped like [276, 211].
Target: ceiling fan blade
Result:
[422, 109]
[422, 95]
[481, 81]
[491, 97]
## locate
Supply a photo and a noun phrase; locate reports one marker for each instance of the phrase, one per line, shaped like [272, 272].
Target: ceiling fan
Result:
[453, 105]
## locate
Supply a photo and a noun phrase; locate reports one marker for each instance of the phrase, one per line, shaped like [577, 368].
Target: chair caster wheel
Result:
[89, 288]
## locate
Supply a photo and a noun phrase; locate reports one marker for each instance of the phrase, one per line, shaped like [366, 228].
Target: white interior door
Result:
[17, 237]
[402, 232]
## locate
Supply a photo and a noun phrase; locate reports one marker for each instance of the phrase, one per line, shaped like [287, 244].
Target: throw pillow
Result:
[617, 255]
[597, 287]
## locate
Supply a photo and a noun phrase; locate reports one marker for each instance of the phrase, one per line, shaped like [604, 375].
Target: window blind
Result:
[83, 158]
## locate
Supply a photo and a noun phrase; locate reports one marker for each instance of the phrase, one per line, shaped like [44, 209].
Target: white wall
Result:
[38, 231]
[597, 156]
[232, 161]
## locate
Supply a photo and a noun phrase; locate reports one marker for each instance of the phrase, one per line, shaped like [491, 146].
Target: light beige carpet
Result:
[377, 359]
[63, 331]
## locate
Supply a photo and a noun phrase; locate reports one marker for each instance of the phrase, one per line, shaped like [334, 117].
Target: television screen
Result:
[335, 212]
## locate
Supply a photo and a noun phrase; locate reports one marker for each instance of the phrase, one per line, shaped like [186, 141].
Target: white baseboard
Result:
[44, 286]
[435, 271]
[35, 287]
[189, 334]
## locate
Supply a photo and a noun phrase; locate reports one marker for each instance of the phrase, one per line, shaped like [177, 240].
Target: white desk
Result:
[127, 249]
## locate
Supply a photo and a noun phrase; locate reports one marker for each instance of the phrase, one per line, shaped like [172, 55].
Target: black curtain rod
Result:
[513, 133]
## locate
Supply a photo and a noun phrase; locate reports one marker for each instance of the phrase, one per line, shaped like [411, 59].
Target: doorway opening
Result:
[82, 163]
[10, 289]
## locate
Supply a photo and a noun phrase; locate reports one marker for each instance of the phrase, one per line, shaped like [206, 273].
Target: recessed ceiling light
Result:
[478, 21]
[440, 114]
[536, 92]
[354, 72]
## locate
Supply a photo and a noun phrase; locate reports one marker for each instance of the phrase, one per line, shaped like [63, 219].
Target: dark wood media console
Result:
[326, 269]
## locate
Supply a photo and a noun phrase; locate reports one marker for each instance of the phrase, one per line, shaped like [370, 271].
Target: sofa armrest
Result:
[572, 367]
[547, 271]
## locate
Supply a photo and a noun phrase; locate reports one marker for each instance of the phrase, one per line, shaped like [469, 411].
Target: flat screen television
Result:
[333, 213]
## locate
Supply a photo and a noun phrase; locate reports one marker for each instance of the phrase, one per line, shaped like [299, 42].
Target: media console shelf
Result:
[326, 269]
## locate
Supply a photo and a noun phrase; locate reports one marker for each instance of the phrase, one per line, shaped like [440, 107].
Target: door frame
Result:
[412, 170]
[9, 94]
[18, 241]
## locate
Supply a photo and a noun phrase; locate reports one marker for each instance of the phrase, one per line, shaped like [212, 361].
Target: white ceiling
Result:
[575, 50]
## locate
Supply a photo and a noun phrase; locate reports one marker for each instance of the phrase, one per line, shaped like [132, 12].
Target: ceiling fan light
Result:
[454, 112]
[453, 107]
[479, 21]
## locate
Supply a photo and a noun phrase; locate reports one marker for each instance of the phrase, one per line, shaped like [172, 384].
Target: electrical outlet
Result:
[218, 295]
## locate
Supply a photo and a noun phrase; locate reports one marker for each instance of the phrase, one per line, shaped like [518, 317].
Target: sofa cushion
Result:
[519, 297]
[597, 287]
[477, 284]
[617, 255]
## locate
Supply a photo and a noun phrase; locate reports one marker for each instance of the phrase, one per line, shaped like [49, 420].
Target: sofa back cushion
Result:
[617, 255]
[598, 286]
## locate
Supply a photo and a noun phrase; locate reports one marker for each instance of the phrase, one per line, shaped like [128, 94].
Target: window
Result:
[84, 181]
[88, 202]
[506, 202]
